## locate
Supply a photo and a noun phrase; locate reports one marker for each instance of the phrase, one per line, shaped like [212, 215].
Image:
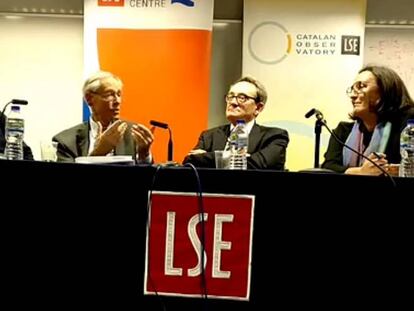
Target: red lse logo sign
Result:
[173, 255]
[111, 2]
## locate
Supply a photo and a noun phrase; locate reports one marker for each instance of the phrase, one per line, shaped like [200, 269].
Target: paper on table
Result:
[105, 159]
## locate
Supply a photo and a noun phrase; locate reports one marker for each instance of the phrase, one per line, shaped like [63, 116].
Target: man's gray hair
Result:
[94, 82]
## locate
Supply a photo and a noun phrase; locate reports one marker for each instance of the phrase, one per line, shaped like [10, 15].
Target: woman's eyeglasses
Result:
[356, 87]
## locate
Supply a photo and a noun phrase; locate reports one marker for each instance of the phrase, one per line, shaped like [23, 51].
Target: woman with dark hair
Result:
[381, 107]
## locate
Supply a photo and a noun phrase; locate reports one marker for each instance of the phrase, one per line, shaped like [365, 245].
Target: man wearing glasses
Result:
[267, 145]
[104, 133]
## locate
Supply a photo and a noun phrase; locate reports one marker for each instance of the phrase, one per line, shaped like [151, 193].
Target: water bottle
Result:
[14, 132]
[407, 150]
[239, 141]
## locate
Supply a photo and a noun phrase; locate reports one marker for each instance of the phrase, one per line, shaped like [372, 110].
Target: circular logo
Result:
[268, 51]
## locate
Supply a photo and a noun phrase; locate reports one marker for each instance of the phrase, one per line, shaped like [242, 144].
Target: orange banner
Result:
[161, 50]
[170, 85]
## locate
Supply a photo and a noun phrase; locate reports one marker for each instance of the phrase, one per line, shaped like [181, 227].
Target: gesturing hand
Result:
[144, 138]
[106, 141]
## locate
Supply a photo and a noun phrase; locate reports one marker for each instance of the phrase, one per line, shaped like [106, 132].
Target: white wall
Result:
[41, 60]
[393, 47]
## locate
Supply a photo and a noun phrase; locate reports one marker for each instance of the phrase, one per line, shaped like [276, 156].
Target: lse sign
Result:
[111, 2]
[173, 255]
[350, 45]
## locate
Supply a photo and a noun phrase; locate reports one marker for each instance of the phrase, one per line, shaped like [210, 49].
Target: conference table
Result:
[74, 236]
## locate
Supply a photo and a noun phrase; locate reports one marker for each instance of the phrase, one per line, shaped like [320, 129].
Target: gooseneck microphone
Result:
[19, 101]
[316, 112]
[170, 141]
[159, 124]
[14, 102]
[310, 113]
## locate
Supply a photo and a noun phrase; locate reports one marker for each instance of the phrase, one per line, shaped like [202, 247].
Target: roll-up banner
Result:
[306, 53]
[161, 49]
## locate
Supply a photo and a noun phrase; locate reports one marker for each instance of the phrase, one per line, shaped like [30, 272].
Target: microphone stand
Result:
[318, 130]
[170, 161]
[4, 108]
[320, 121]
[165, 126]
[170, 147]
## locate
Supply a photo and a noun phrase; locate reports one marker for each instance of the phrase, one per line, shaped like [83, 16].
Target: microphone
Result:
[15, 102]
[313, 111]
[19, 101]
[322, 121]
[159, 124]
[310, 113]
[170, 142]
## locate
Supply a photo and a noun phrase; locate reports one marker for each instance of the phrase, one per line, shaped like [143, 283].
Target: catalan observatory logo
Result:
[184, 2]
[111, 2]
[281, 44]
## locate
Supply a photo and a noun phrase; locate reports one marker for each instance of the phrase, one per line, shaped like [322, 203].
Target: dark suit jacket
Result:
[27, 152]
[267, 147]
[74, 142]
[333, 155]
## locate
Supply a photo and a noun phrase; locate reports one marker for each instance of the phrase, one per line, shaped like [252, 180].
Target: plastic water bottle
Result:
[407, 150]
[239, 141]
[14, 133]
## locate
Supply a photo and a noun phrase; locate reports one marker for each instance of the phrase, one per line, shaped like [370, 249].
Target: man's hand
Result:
[107, 141]
[144, 138]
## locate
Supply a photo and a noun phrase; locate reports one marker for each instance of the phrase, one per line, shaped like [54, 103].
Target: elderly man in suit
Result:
[104, 133]
[267, 145]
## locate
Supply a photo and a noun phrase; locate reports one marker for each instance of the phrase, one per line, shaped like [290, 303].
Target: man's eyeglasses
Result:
[109, 96]
[240, 98]
[356, 87]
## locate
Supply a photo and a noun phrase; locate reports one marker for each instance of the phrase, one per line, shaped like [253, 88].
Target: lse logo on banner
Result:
[111, 2]
[350, 45]
[173, 255]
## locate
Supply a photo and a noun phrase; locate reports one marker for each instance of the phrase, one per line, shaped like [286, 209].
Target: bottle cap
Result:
[17, 108]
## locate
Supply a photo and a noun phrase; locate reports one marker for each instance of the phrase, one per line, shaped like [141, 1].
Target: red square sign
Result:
[174, 244]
